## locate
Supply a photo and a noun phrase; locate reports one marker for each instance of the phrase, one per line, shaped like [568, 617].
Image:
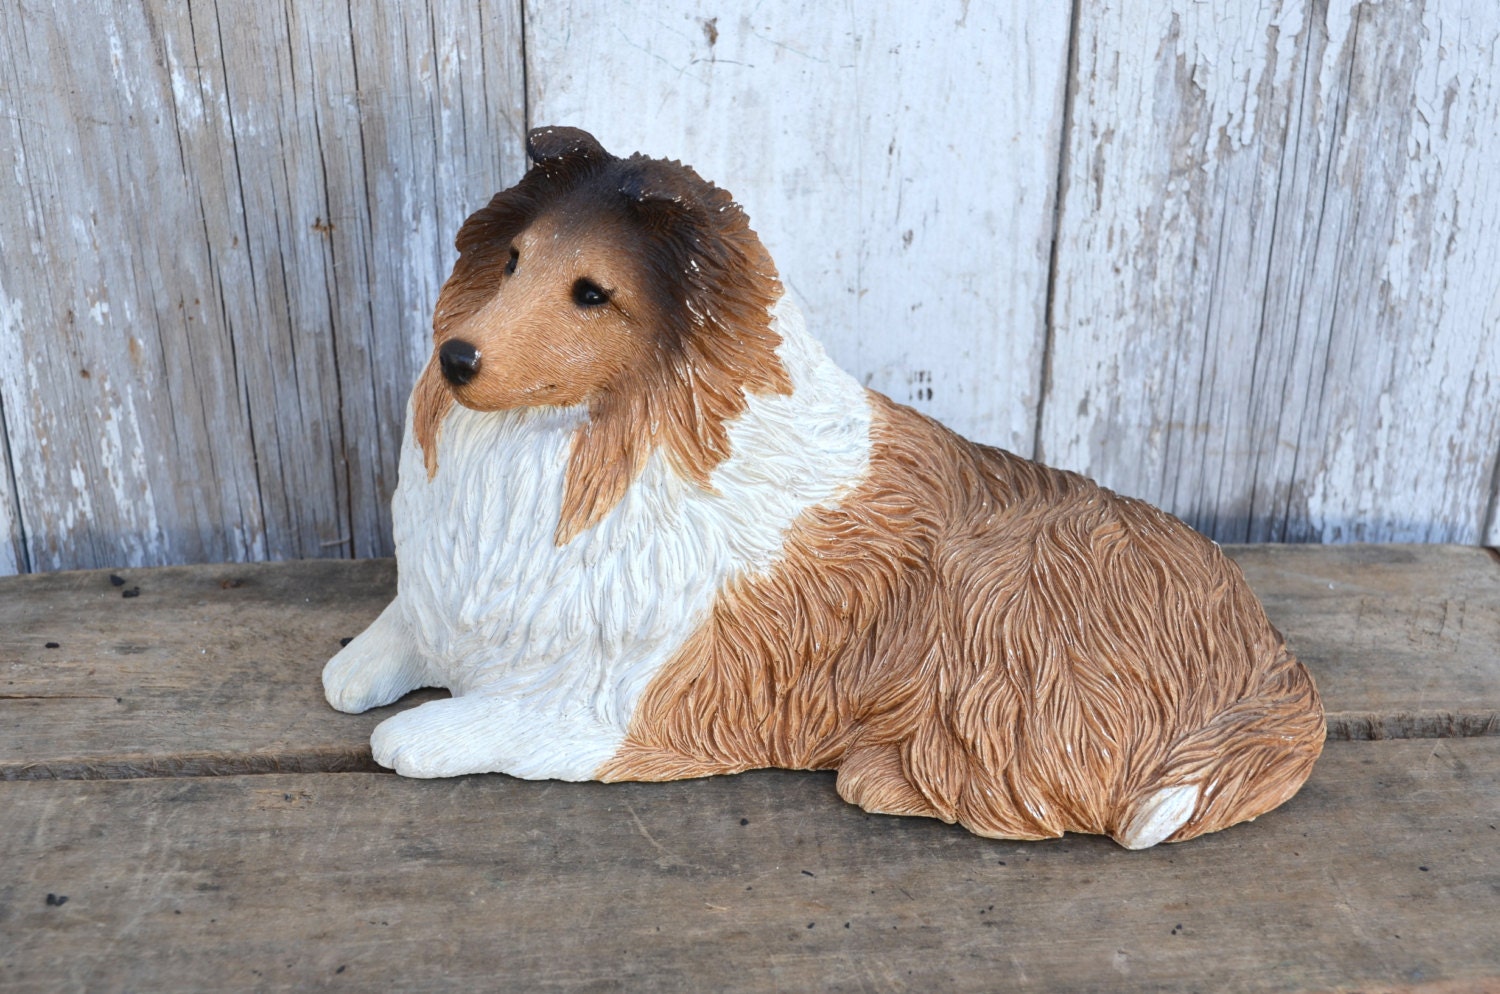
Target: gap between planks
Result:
[1343, 726]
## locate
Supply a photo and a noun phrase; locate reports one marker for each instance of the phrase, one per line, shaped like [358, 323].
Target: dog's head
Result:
[631, 286]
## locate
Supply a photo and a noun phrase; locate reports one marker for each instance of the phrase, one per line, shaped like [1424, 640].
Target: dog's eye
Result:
[587, 293]
[515, 257]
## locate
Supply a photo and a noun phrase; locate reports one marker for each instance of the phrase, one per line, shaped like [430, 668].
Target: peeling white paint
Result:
[185, 91]
[1275, 299]
[1265, 309]
[117, 65]
[122, 457]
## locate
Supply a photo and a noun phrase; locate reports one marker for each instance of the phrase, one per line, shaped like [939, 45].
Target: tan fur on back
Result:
[982, 639]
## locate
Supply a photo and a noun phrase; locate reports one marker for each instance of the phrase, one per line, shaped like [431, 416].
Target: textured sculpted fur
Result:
[646, 529]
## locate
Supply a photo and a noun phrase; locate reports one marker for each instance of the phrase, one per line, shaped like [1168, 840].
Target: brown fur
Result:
[981, 639]
[667, 362]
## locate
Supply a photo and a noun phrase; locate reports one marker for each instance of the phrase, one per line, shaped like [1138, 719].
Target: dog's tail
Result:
[1252, 756]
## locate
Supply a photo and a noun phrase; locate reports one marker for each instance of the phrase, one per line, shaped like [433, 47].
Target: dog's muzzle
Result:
[459, 360]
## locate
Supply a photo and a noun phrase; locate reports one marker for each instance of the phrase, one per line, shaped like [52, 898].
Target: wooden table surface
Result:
[180, 811]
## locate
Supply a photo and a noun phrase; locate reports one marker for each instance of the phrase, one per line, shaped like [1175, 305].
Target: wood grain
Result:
[215, 669]
[1274, 309]
[218, 283]
[1404, 640]
[1378, 874]
[206, 669]
[900, 169]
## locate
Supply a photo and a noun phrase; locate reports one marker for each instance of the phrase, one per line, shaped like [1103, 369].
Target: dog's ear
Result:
[651, 183]
[670, 199]
[563, 150]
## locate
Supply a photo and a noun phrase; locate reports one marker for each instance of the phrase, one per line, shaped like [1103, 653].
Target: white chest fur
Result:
[557, 644]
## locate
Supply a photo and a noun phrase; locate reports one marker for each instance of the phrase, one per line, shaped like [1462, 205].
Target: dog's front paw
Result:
[437, 739]
[377, 667]
[483, 733]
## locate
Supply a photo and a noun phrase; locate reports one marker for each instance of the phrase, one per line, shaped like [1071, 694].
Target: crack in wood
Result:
[1343, 726]
[56, 697]
[195, 764]
[1371, 726]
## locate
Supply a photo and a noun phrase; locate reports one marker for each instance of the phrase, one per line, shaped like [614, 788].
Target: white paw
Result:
[377, 667]
[437, 739]
[489, 734]
[1159, 816]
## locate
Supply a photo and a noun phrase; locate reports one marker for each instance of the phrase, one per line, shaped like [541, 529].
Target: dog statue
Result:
[646, 530]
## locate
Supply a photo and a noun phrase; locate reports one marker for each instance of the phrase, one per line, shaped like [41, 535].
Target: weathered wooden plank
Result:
[899, 164]
[215, 669]
[116, 374]
[1275, 309]
[1404, 641]
[205, 669]
[1378, 873]
[218, 278]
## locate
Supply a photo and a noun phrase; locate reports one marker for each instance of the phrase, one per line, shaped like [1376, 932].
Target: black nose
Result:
[460, 361]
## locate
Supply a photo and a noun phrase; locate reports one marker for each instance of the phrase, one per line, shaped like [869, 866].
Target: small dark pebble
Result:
[132, 592]
[341, 969]
[1422, 868]
[846, 924]
[56, 900]
[809, 873]
[811, 924]
[346, 641]
[53, 645]
[744, 821]
[116, 581]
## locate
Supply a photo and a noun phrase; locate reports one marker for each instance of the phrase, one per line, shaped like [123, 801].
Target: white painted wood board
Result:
[898, 160]
[1274, 308]
[1277, 308]
[219, 278]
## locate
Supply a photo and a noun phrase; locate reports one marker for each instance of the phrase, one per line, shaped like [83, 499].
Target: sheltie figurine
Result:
[646, 529]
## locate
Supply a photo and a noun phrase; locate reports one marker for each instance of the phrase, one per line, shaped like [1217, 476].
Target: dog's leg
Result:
[481, 733]
[873, 778]
[378, 666]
